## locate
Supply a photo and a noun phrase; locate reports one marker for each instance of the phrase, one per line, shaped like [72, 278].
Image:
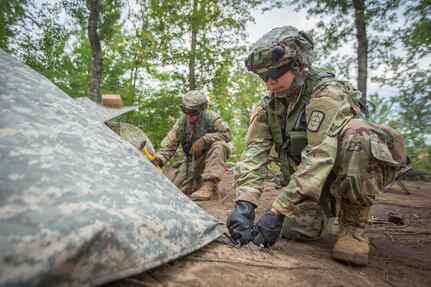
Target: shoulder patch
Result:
[254, 114]
[172, 134]
[315, 120]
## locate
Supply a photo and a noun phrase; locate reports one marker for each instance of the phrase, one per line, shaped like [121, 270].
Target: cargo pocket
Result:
[382, 153]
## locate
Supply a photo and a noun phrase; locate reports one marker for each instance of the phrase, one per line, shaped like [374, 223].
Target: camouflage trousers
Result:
[210, 166]
[369, 157]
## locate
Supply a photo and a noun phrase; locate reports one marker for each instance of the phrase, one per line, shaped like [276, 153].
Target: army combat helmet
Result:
[280, 50]
[193, 103]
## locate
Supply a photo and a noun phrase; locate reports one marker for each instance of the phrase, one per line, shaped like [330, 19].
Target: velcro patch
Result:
[321, 114]
[254, 114]
[172, 134]
[315, 120]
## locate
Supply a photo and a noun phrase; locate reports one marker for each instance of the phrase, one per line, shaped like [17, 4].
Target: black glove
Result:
[240, 221]
[267, 229]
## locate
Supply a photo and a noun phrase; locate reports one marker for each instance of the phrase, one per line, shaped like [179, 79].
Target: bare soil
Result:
[400, 254]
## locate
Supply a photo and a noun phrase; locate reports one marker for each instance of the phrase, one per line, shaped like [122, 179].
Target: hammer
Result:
[145, 151]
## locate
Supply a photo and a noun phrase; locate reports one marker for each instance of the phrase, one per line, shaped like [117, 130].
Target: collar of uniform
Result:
[277, 106]
[294, 101]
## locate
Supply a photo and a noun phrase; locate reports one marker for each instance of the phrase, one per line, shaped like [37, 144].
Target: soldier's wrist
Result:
[159, 159]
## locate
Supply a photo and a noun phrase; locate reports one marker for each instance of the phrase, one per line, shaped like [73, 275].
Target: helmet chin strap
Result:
[296, 83]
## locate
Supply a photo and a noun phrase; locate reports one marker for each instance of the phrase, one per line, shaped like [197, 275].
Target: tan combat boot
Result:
[205, 192]
[352, 243]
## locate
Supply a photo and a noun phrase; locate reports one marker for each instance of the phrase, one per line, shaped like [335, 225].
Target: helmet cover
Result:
[193, 103]
[279, 47]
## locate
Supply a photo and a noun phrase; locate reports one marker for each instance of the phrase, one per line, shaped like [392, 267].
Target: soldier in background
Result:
[333, 160]
[203, 136]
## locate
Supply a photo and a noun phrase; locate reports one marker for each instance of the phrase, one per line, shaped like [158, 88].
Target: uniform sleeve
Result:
[221, 131]
[169, 144]
[250, 170]
[327, 113]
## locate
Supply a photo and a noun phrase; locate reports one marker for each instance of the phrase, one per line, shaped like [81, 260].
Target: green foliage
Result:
[236, 107]
[154, 50]
[200, 36]
[421, 159]
[336, 28]
[156, 114]
[383, 113]
[416, 36]
[44, 51]
[13, 14]
[404, 73]
[147, 54]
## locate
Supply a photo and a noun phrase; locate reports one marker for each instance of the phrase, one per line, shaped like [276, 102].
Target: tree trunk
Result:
[96, 50]
[192, 60]
[361, 35]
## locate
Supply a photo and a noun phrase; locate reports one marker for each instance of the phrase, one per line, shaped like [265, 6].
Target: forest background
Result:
[152, 52]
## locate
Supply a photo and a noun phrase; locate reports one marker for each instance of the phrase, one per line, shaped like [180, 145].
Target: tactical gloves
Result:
[267, 230]
[157, 162]
[198, 147]
[240, 221]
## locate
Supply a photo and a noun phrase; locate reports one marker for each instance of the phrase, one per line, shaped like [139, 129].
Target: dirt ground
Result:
[400, 254]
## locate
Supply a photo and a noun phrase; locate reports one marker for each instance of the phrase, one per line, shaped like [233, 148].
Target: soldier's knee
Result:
[310, 224]
[220, 147]
[220, 144]
[294, 230]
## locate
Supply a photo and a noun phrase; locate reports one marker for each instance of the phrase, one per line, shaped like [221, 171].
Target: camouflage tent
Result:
[80, 205]
[132, 134]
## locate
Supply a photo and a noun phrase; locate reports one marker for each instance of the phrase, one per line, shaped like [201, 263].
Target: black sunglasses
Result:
[275, 73]
[190, 112]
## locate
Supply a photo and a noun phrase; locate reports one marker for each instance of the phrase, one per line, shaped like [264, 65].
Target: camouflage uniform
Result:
[210, 165]
[350, 157]
[334, 161]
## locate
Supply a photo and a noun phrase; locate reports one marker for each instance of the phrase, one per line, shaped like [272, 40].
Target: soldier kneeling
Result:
[203, 136]
[330, 155]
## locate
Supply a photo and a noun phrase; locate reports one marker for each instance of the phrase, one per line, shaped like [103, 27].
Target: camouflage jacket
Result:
[329, 107]
[210, 125]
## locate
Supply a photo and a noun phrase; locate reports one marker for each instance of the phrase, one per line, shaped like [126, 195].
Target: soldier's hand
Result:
[267, 229]
[240, 221]
[157, 162]
[198, 147]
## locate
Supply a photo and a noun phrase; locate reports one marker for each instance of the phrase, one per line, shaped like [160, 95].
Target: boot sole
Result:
[351, 258]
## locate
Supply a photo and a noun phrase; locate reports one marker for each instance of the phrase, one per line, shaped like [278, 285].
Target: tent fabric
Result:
[98, 112]
[79, 205]
[132, 134]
